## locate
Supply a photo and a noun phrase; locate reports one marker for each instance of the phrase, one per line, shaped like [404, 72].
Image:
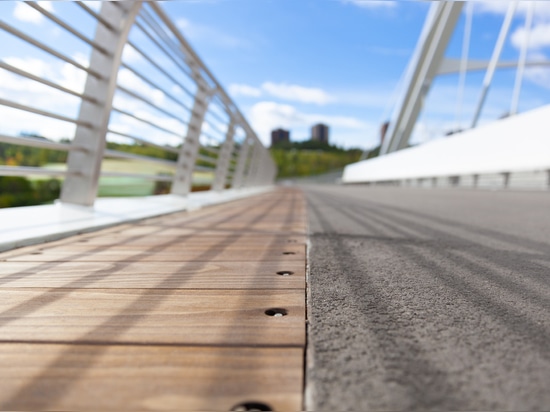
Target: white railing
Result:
[119, 77]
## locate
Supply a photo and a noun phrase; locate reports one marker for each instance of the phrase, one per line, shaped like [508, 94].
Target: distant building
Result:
[319, 133]
[279, 135]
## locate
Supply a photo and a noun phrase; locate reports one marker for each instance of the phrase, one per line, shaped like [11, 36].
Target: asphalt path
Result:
[428, 299]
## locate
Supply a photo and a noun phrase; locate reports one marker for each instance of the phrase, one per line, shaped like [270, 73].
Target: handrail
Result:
[154, 112]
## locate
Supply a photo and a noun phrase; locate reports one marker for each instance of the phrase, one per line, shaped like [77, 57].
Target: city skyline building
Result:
[320, 133]
[279, 135]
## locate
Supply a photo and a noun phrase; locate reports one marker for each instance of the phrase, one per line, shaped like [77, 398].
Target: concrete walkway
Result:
[428, 299]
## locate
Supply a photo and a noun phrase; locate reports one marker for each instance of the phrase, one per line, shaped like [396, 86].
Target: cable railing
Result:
[133, 94]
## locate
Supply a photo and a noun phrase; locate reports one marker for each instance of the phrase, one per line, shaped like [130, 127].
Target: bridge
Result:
[227, 292]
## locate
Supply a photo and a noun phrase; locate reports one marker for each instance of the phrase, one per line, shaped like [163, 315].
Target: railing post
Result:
[183, 179]
[238, 177]
[252, 173]
[84, 164]
[222, 164]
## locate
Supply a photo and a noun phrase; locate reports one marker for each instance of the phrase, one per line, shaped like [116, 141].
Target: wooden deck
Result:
[166, 313]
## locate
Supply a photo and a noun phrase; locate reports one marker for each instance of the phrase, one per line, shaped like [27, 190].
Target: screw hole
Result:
[36, 253]
[291, 240]
[83, 240]
[276, 312]
[285, 273]
[252, 406]
[289, 253]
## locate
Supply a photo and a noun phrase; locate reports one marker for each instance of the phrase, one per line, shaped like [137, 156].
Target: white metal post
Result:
[238, 177]
[84, 164]
[422, 69]
[252, 172]
[522, 59]
[494, 60]
[464, 64]
[222, 164]
[183, 179]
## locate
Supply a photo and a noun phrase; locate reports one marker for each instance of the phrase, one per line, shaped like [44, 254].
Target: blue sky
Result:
[292, 63]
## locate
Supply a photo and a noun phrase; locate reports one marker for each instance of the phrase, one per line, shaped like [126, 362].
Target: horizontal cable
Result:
[210, 149]
[145, 142]
[218, 116]
[156, 86]
[184, 44]
[149, 103]
[27, 171]
[32, 142]
[76, 33]
[161, 47]
[198, 168]
[30, 76]
[140, 119]
[161, 178]
[97, 16]
[161, 69]
[157, 28]
[125, 155]
[207, 159]
[44, 113]
[48, 49]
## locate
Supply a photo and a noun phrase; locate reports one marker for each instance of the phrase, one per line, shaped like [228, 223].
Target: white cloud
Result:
[372, 4]
[266, 116]
[539, 37]
[27, 14]
[289, 92]
[244, 90]
[297, 93]
[211, 35]
[542, 8]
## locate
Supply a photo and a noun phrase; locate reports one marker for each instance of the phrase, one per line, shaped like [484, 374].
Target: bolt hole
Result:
[252, 406]
[285, 273]
[36, 253]
[289, 253]
[276, 312]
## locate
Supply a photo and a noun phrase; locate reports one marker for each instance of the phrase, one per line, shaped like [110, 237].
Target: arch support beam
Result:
[424, 66]
[84, 163]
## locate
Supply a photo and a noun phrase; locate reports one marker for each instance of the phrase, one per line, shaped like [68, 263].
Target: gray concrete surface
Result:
[426, 299]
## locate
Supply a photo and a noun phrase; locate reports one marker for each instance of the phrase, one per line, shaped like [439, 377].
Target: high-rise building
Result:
[319, 133]
[279, 135]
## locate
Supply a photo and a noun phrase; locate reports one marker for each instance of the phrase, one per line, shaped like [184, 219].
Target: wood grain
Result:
[145, 275]
[82, 377]
[165, 313]
[153, 316]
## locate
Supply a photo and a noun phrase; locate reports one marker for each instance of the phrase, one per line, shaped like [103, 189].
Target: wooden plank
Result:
[166, 313]
[199, 255]
[194, 238]
[227, 244]
[81, 377]
[153, 316]
[144, 275]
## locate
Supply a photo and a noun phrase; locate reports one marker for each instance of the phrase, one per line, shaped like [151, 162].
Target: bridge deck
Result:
[166, 313]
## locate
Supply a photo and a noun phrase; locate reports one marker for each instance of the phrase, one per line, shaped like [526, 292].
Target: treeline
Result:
[299, 159]
[19, 191]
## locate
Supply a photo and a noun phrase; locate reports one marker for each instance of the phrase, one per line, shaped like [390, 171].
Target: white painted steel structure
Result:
[428, 62]
[510, 152]
[174, 105]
